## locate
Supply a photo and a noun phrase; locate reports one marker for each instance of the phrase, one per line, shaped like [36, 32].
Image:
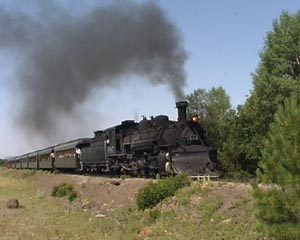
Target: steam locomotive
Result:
[152, 146]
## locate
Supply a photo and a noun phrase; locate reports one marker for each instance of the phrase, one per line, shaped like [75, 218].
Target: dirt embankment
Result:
[100, 194]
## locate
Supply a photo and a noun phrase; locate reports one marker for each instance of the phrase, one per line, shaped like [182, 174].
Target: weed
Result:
[72, 196]
[184, 201]
[64, 189]
[123, 177]
[154, 214]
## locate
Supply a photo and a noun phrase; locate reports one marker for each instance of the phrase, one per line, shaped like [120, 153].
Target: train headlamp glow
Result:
[196, 119]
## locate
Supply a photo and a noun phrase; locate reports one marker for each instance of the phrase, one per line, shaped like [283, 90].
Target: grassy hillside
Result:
[218, 210]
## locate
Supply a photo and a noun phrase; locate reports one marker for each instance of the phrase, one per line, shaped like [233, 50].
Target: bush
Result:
[152, 194]
[123, 177]
[64, 189]
[72, 196]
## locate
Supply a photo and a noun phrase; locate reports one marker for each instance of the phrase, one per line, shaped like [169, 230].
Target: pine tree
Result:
[278, 198]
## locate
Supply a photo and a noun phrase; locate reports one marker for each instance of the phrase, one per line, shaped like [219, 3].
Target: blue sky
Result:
[223, 39]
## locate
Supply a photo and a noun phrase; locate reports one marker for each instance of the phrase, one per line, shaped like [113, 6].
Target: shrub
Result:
[72, 196]
[64, 189]
[123, 177]
[152, 194]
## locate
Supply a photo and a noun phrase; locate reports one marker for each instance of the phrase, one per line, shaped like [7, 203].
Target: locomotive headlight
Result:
[168, 156]
[196, 119]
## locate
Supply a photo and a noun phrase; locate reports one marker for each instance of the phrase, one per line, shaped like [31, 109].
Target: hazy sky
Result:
[223, 40]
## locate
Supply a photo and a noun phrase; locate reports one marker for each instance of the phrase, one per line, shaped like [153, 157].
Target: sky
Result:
[222, 38]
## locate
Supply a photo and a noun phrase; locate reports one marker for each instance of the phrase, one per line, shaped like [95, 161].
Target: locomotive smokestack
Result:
[181, 107]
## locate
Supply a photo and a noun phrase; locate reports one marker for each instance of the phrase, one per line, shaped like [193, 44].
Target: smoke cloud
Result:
[64, 56]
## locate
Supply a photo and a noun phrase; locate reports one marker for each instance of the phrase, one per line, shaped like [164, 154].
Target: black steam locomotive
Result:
[152, 146]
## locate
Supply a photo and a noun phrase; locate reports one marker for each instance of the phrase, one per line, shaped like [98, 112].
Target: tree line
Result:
[239, 134]
[261, 138]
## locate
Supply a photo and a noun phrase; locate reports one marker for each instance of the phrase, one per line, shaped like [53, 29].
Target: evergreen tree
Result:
[276, 78]
[278, 203]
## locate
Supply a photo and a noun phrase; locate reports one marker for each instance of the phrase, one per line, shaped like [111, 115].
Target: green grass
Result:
[192, 213]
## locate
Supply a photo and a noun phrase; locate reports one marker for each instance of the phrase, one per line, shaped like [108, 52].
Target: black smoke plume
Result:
[63, 56]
